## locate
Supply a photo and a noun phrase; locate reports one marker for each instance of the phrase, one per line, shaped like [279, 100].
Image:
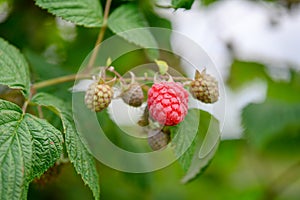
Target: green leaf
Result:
[183, 137]
[28, 147]
[81, 12]
[204, 139]
[206, 147]
[25, 192]
[14, 68]
[78, 152]
[207, 2]
[242, 73]
[162, 66]
[285, 91]
[128, 22]
[273, 121]
[47, 145]
[187, 4]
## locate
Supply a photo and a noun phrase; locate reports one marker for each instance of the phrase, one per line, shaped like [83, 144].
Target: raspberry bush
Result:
[43, 154]
[43, 58]
[38, 134]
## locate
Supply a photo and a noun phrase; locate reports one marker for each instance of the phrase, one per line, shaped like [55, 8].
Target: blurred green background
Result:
[264, 163]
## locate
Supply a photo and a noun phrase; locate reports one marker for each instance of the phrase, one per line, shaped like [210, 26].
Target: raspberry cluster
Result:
[168, 103]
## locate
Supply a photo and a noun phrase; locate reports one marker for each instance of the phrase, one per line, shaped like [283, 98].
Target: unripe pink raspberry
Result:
[168, 103]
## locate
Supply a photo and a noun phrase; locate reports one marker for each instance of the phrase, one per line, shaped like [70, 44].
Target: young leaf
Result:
[28, 147]
[187, 4]
[14, 68]
[162, 66]
[78, 152]
[198, 142]
[81, 12]
[128, 22]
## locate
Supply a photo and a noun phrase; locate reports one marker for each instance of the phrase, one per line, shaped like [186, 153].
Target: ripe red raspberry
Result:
[168, 103]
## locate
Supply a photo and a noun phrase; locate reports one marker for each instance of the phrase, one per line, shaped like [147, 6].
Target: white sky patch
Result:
[247, 24]
[4, 11]
[82, 85]
[254, 92]
[67, 30]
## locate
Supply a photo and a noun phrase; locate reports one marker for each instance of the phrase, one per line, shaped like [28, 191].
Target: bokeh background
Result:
[256, 47]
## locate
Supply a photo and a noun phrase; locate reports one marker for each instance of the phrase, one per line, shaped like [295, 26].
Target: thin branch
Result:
[40, 111]
[112, 69]
[59, 80]
[73, 77]
[26, 103]
[100, 36]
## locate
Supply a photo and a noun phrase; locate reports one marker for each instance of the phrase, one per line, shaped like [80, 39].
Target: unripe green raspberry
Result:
[204, 88]
[98, 96]
[159, 140]
[133, 95]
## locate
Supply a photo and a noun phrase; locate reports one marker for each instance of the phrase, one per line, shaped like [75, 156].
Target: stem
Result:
[112, 69]
[58, 80]
[40, 111]
[100, 36]
[73, 77]
[26, 103]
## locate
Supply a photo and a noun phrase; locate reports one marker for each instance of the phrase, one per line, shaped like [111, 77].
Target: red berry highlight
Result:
[168, 103]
